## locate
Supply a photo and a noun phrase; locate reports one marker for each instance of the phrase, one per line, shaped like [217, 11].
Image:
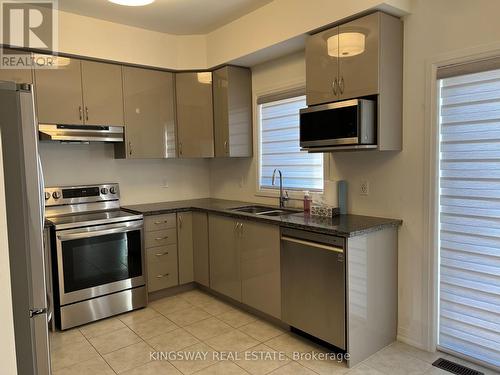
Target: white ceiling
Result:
[181, 17]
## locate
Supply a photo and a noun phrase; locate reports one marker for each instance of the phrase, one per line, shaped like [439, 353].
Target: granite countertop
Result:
[341, 225]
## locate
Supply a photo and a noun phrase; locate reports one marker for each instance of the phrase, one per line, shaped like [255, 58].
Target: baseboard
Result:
[406, 340]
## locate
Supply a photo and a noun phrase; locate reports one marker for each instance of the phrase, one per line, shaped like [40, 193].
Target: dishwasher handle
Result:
[313, 244]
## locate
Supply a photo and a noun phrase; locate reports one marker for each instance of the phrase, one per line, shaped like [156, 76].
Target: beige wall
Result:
[282, 20]
[7, 343]
[396, 179]
[140, 180]
[264, 29]
[92, 37]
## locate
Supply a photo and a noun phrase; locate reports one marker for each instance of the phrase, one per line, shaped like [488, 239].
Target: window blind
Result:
[279, 147]
[469, 316]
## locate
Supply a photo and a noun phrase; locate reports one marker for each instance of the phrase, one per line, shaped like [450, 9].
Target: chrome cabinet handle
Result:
[334, 86]
[80, 112]
[341, 85]
[226, 143]
[236, 226]
[161, 238]
[129, 147]
[180, 221]
[161, 222]
[161, 276]
[180, 148]
[161, 254]
[86, 113]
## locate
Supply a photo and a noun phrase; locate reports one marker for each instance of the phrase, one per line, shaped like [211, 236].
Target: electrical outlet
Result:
[364, 188]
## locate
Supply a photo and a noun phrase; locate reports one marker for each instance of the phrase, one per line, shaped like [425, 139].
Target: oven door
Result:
[98, 260]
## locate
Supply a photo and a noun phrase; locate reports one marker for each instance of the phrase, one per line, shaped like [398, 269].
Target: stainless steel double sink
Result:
[265, 210]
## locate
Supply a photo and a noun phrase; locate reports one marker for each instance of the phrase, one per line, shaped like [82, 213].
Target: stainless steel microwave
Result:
[339, 124]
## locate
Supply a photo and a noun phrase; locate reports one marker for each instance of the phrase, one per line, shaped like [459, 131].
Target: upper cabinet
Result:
[15, 75]
[356, 59]
[195, 125]
[58, 92]
[149, 114]
[102, 93]
[232, 98]
[79, 92]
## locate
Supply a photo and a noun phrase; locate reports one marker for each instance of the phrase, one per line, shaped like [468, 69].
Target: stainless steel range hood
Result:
[80, 133]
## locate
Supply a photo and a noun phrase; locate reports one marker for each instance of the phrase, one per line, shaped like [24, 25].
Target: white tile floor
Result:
[195, 322]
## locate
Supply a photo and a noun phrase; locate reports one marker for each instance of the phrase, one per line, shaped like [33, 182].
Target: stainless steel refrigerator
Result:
[25, 221]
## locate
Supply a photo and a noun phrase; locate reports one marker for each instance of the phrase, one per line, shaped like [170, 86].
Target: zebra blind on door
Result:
[279, 147]
[469, 316]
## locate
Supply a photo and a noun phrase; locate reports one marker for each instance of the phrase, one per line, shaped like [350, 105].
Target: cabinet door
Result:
[102, 93]
[59, 93]
[322, 65]
[232, 90]
[15, 75]
[359, 57]
[224, 256]
[149, 113]
[221, 112]
[200, 248]
[195, 115]
[260, 267]
[185, 247]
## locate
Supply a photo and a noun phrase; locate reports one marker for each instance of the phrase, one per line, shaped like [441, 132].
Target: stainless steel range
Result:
[97, 254]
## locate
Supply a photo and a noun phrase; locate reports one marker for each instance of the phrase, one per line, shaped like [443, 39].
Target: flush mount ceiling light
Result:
[346, 44]
[132, 3]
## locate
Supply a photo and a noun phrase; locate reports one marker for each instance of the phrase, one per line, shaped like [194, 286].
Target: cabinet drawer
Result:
[158, 222]
[160, 238]
[162, 275]
[162, 254]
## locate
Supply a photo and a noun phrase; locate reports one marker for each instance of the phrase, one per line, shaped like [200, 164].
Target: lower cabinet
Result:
[260, 267]
[225, 275]
[200, 248]
[237, 258]
[160, 241]
[245, 262]
[185, 247]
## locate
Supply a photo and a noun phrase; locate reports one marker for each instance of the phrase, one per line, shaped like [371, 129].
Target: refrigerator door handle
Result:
[35, 312]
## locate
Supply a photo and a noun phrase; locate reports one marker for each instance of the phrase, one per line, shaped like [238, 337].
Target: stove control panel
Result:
[65, 195]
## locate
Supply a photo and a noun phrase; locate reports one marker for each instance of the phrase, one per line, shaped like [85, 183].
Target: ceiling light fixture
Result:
[132, 3]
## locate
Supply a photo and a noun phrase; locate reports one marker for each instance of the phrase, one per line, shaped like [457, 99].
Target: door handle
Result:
[130, 148]
[313, 244]
[341, 85]
[180, 221]
[180, 148]
[226, 143]
[161, 276]
[161, 222]
[334, 86]
[161, 238]
[86, 113]
[80, 112]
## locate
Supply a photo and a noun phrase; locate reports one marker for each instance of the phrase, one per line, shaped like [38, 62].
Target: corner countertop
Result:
[341, 225]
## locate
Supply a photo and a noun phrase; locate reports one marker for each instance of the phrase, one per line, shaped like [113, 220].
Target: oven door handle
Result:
[96, 233]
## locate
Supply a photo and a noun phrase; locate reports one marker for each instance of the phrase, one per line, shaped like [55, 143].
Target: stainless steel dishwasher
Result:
[313, 284]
